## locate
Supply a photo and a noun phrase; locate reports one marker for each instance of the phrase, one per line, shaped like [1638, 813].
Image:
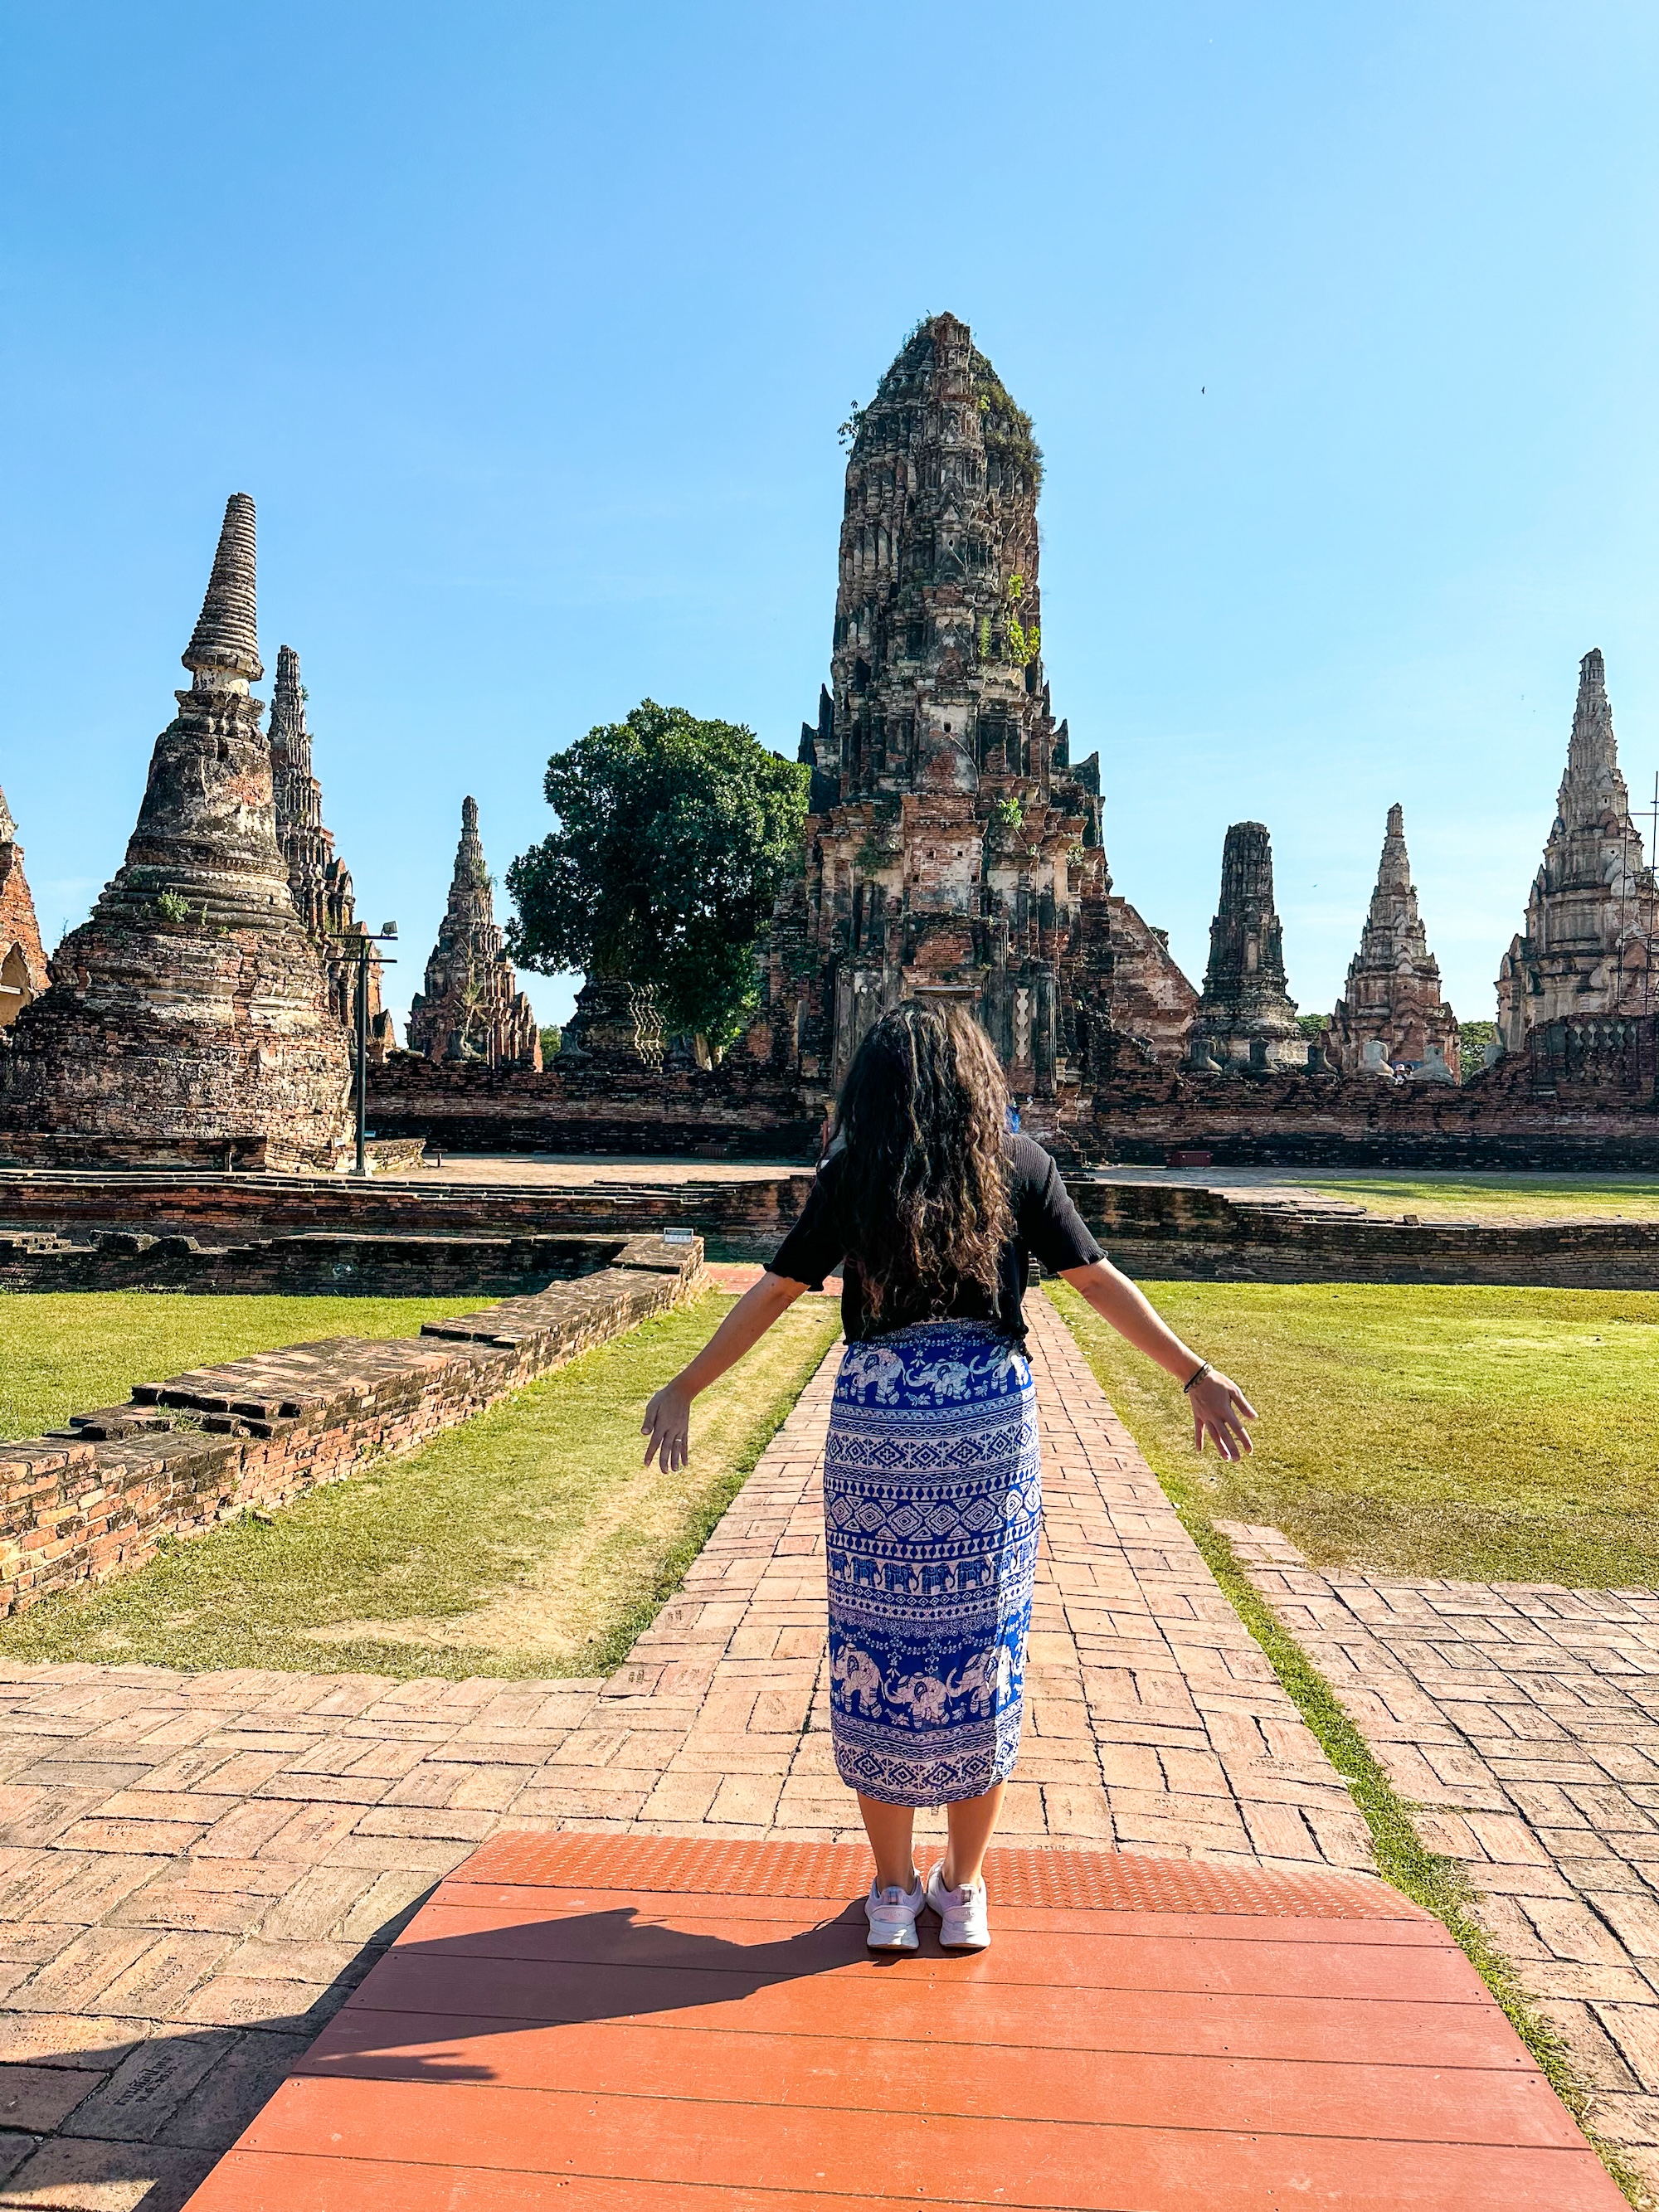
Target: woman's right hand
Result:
[666, 1427]
[1220, 1410]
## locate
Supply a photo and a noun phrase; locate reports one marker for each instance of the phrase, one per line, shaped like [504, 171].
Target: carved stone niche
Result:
[615, 1021]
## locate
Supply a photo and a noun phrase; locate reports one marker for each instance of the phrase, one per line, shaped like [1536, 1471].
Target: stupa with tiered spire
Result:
[188, 1019]
[472, 1007]
[1391, 1017]
[1592, 924]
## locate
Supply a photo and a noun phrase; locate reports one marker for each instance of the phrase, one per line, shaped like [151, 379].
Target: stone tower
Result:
[1391, 1011]
[23, 957]
[1246, 1017]
[188, 1020]
[1593, 918]
[472, 1007]
[320, 883]
[953, 846]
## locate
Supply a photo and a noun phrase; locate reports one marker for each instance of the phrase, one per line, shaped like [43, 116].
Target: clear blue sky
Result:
[528, 327]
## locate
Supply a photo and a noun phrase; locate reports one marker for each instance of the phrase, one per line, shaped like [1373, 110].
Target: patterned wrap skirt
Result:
[932, 1496]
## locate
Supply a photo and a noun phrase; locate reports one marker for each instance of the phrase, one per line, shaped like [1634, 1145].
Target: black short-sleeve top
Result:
[1046, 1226]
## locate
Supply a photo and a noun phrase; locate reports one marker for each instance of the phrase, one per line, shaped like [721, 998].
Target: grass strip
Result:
[1472, 1430]
[1494, 1197]
[1429, 1877]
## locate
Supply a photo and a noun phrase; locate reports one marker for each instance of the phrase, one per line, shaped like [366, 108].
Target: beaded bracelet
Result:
[1187, 1388]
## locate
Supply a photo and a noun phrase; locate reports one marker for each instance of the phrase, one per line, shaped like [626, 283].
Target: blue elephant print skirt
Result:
[933, 1498]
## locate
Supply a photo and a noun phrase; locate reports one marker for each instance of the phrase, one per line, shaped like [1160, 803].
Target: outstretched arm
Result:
[666, 1427]
[1220, 1408]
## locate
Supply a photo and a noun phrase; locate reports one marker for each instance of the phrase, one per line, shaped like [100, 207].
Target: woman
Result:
[932, 1492]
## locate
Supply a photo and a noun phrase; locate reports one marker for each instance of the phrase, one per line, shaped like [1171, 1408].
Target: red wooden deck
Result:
[624, 2024]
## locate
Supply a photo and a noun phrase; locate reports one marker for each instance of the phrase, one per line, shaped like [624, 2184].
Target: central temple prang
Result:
[954, 847]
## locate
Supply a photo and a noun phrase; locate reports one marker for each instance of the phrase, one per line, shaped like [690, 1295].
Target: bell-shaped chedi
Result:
[23, 957]
[1391, 1017]
[189, 1021]
[953, 845]
[1247, 1018]
[472, 1007]
[1592, 917]
[320, 881]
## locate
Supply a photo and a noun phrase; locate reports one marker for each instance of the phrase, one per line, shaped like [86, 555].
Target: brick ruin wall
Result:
[97, 1498]
[276, 1233]
[1583, 1096]
[735, 1111]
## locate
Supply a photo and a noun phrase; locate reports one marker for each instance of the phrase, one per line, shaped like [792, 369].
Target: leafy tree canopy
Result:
[673, 837]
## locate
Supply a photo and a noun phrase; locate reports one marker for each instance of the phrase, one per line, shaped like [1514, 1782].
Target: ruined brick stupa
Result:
[1592, 917]
[1391, 1013]
[953, 845]
[189, 1021]
[1247, 1018]
[320, 881]
[23, 957]
[472, 1007]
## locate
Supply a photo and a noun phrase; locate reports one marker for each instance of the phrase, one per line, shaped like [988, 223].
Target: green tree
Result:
[673, 837]
[1473, 1038]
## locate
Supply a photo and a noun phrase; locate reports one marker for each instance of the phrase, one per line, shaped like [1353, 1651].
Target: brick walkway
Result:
[1525, 1720]
[195, 1869]
[1153, 1721]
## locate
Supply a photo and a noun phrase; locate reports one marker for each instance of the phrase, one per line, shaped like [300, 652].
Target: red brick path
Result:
[1523, 1721]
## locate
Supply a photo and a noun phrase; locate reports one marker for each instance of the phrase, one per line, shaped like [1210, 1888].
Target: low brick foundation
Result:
[223, 1209]
[1180, 1232]
[408, 1267]
[91, 1500]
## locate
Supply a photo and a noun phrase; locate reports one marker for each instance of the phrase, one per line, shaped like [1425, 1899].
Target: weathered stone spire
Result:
[8, 826]
[225, 642]
[1592, 914]
[290, 740]
[1393, 870]
[1391, 1013]
[1246, 1016]
[1592, 781]
[320, 882]
[189, 1020]
[472, 1007]
[468, 884]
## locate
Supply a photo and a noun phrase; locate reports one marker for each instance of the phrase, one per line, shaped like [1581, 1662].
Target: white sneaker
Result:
[892, 1914]
[964, 1914]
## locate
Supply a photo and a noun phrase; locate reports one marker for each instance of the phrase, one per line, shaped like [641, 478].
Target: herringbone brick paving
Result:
[1524, 1721]
[195, 1869]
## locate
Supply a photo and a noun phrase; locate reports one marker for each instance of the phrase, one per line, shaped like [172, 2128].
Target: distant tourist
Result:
[933, 1491]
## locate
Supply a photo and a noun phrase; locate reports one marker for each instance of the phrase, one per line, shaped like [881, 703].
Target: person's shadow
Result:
[606, 1965]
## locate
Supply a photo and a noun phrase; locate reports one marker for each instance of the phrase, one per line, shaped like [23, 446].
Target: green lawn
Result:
[528, 1541]
[69, 1351]
[1474, 1196]
[1492, 1434]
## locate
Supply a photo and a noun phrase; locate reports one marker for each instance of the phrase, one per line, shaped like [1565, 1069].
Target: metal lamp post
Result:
[359, 946]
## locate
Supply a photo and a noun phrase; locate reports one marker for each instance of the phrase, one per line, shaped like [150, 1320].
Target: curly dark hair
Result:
[924, 1114]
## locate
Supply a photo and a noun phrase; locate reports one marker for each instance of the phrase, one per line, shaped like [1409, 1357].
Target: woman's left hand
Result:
[666, 1427]
[1220, 1410]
